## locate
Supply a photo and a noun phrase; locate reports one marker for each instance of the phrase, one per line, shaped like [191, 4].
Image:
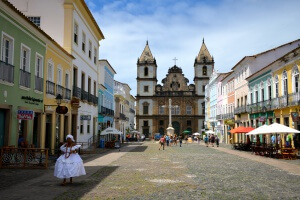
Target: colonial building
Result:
[152, 98]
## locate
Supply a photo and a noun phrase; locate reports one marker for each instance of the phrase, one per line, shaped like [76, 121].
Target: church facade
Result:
[188, 113]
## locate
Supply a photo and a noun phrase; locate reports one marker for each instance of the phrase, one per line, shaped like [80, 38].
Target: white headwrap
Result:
[71, 137]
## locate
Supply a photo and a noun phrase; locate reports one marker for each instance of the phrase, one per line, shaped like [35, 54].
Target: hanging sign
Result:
[262, 119]
[85, 117]
[61, 110]
[295, 116]
[25, 114]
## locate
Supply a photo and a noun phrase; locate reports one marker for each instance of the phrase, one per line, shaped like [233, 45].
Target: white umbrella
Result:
[264, 129]
[134, 131]
[210, 132]
[279, 128]
[196, 134]
[111, 130]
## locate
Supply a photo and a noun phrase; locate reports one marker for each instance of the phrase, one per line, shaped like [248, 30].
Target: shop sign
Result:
[229, 122]
[295, 116]
[75, 102]
[85, 117]
[25, 115]
[32, 100]
[262, 119]
[61, 110]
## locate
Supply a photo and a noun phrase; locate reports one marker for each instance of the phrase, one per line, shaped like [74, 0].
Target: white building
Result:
[72, 25]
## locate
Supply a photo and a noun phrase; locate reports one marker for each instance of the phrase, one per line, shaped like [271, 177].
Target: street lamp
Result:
[58, 99]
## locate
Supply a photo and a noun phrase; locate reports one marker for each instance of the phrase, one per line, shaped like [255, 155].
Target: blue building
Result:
[106, 95]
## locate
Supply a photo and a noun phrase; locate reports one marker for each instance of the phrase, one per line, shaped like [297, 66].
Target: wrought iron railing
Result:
[11, 157]
[132, 110]
[294, 99]
[38, 83]
[95, 100]
[6, 72]
[76, 92]
[67, 94]
[24, 78]
[218, 117]
[122, 116]
[59, 90]
[50, 87]
[84, 95]
[239, 110]
[90, 98]
[283, 101]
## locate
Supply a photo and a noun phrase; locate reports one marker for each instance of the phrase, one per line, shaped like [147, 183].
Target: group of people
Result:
[211, 140]
[169, 141]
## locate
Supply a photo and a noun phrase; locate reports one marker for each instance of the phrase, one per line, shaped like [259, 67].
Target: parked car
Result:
[157, 136]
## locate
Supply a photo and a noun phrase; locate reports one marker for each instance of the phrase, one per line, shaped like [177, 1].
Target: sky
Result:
[231, 30]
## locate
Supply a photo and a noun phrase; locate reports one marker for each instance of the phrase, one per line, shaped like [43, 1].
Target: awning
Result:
[241, 129]
[111, 130]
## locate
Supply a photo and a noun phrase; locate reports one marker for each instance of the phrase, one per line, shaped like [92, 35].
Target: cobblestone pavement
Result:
[191, 172]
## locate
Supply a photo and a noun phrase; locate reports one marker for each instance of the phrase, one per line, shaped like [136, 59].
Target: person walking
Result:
[180, 140]
[217, 141]
[206, 140]
[167, 140]
[198, 139]
[212, 140]
[162, 142]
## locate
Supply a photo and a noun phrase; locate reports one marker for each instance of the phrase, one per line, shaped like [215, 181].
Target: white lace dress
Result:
[69, 165]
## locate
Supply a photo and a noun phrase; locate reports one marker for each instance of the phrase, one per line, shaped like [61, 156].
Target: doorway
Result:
[176, 127]
[35, 131]
[2, 127]
[74, 126]
[48, 131]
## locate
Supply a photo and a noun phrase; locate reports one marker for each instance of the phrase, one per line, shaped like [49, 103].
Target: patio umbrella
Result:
[209, 132]
[196, 134]
[241, 129]
[260, 130]
[186, 131]
[279, 128]
[111, 130]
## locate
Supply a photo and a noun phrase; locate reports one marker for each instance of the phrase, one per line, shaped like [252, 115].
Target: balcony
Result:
[38, 83]
[294, 99]
[122, 116]
[90, 98]
[106, 111]
[24, 78]
[262, 106]
[59, 90]
[50, 88]
[6, 72]
[132, 110]
[95, 100]
[218, 117]
[76, 92]
[172, 93]
[84, 95]
[228, 116]
[67, 94]
[283, 101]
[239, 110]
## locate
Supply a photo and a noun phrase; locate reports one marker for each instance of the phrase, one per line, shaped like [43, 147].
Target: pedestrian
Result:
[209, 136]
[162, 142]
[212, 140]
[171, 140]
[175, 140]
[206, 140]
[198, 139]
[217, 141]
[69, 164]
[167, 140]
[180, 140]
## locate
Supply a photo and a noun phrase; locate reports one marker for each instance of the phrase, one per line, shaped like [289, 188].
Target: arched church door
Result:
[176, 127]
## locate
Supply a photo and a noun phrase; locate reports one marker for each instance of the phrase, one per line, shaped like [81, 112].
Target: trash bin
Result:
[101, 143]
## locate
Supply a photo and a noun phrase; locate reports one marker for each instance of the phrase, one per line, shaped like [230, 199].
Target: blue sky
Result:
[232, 29]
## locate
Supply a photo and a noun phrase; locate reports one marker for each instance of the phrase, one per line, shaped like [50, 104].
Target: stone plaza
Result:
[141, 171]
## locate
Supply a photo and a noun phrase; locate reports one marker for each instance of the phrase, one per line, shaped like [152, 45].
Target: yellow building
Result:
[286, 89]
[57, 80]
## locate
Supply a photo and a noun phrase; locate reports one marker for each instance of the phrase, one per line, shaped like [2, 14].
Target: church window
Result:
[146, 123]
[76, 33]
[161, 122]
[295, 79]
[188, 110]
[189, 122]
[161, 110]
[146, 71]
[204, 70]
[203, 88]
[146, 88]
[145, 109]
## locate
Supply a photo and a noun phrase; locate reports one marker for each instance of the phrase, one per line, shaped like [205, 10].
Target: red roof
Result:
[241, 129]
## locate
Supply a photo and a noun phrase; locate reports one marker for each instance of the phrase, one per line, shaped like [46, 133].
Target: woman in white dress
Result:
[69, 164]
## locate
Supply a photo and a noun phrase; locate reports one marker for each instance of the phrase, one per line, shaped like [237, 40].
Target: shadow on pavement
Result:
[136, 149]
[78, 189]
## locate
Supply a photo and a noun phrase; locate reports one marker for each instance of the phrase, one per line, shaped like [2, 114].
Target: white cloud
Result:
[232, 29]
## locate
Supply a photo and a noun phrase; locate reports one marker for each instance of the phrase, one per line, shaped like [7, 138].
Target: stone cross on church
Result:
[175, 59]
